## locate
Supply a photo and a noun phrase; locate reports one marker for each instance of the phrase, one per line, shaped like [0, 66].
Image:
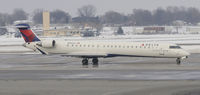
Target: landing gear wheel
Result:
[95, 62]
[85, 62]
[178, 61]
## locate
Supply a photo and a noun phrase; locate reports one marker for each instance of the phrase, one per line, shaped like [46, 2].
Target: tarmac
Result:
[35, 74]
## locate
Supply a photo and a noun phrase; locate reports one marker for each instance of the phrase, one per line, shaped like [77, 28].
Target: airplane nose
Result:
[184, 53]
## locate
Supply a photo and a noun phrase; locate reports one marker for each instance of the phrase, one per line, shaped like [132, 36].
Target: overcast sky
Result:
[123, 6]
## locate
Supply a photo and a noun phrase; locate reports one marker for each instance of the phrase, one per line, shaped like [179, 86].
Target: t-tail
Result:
[27, 33]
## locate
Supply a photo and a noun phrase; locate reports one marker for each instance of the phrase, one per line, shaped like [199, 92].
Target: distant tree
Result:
[4, 19]
[3, 31]
[120, 31]
[19, 14]
[87, 16]
[87, 11]
[113, 17]
[175, 13]
[60, 17]
[159, 17]
[142, 17]
[193, 15]
[37, 17]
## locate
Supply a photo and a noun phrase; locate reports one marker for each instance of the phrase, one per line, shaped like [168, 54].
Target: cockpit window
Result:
[174, 47]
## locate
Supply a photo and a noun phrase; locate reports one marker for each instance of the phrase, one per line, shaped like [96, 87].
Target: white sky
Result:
[123, 6]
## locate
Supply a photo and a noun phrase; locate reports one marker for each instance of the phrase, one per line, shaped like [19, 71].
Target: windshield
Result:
[174, 47]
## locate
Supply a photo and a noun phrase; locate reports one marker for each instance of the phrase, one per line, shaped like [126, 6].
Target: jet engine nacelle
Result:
[48, 43]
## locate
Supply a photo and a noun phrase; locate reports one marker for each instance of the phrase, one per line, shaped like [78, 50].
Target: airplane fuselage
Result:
[91, 49]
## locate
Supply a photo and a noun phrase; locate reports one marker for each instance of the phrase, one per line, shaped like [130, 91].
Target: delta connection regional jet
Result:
[100, 49]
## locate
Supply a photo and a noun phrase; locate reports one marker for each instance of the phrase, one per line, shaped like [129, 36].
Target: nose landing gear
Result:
[178, 61]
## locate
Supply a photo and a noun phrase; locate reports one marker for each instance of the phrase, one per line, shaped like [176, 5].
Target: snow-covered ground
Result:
[4, 40]
[12, 45]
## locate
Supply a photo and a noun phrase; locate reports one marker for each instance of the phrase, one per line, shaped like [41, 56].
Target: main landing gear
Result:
[95, 62]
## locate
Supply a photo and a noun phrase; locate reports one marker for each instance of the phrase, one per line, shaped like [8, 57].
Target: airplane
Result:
[94, 49]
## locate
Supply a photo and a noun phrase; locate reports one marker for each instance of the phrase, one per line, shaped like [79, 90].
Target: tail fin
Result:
[27, 33]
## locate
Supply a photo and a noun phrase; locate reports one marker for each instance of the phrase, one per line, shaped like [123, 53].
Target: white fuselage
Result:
[88, 48]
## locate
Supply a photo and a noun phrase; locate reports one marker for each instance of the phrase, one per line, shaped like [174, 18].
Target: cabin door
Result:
[161, 52]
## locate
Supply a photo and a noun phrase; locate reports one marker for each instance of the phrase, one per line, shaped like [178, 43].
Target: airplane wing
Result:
[86, 54]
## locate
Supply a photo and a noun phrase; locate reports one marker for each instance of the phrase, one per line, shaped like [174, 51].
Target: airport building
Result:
[134, 30]
[53, 32]
[193, 29]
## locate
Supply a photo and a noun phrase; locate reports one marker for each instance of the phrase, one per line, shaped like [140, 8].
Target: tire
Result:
[95, 61]
[178, 61]
[84, 62]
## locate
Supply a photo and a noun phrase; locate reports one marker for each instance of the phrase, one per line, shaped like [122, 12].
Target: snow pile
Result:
[12, 45]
